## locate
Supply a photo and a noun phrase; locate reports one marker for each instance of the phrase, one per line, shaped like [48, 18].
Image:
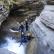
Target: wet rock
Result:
[29, 9]
[43, 29]
[23, 9]
[51, 2]
[26, 9]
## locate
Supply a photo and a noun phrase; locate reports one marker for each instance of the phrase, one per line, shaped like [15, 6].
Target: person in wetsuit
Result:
[21, 28]
[25, 38]
[26, 24]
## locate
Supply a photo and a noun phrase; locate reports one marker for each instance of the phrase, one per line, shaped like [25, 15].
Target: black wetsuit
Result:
[26, 25]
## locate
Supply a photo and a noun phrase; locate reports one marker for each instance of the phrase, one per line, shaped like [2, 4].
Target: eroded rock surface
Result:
[3, 12]
[43, 29]
[29, 9]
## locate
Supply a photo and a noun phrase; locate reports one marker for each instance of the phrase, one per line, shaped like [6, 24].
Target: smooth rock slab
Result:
[43, 29]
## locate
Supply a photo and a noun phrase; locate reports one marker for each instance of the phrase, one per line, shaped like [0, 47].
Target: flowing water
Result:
[13, 46]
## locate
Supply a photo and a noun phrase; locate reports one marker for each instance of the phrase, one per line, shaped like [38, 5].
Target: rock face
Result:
[3, 12]
[50, 2]
[47, 16]
[5, 6]
[4, 51]
[43, 29]
[25, 8]
[32, 47]
[18, 13]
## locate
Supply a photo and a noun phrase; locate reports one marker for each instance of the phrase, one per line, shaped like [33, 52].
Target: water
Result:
[13, 46]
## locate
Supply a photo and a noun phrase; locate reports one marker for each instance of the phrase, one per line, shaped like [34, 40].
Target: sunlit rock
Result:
[43, 29]
[47, 16]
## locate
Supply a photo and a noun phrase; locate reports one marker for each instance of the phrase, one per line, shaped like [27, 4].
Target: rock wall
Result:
[43, 29]
[18, 13]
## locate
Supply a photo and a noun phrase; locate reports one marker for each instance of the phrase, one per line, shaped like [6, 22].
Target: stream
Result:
[12, 45]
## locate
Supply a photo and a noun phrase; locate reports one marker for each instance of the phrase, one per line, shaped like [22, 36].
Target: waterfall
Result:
[13, 46]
